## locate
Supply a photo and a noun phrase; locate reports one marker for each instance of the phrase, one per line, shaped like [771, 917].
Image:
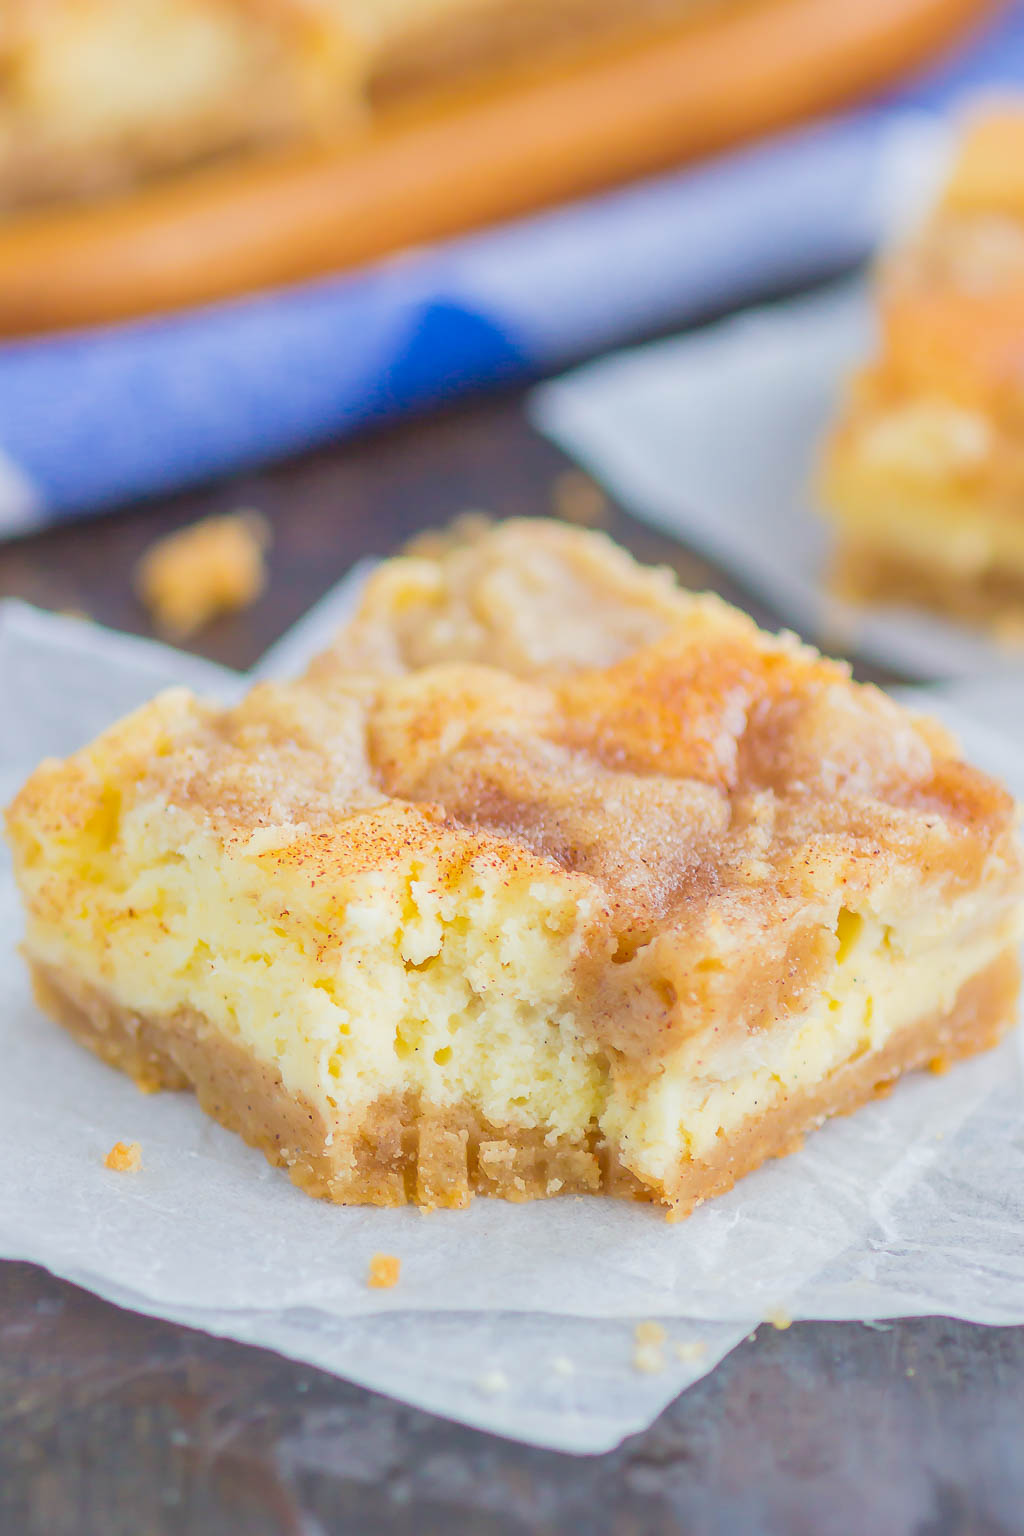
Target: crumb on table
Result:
[384, 1271]
[211, 567]
[575, 498]
[434, 543]
[124, 1157]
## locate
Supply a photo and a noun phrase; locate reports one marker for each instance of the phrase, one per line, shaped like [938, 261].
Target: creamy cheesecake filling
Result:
[459, 986]
[875, 992]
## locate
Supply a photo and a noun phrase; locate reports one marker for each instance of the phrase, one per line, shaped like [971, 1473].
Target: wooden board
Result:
[468, 160]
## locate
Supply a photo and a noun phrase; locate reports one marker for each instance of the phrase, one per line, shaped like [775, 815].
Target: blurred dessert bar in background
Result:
[158, 154]
[96, 93]
[924, 472]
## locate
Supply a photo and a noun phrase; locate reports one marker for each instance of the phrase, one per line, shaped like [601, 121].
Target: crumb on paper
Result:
[492, 1383]
[649, 1333]
[385, 1269]
[1008, 631]
[648, 1360]
[779, 1319]
[211, 567]
[563, 1366]
[691, 1350]
[575, 498]
[124, 1157]
[648, 1356]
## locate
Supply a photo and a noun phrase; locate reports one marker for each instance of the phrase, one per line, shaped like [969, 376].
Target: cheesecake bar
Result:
[924, 472]
[548, 877]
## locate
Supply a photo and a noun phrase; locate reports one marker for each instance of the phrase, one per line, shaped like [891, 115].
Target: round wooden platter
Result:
[419, 174]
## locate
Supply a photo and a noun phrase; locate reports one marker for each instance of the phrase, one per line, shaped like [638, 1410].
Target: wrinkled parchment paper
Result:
[516, 1319]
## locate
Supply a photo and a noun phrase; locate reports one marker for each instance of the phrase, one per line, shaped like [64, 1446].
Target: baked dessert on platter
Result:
[924, 471]
[157, 154]
[549, 877]
[97, 93]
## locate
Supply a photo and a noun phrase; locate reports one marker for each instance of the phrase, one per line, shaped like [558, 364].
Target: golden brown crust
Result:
[399, 1153]
[413, 1153]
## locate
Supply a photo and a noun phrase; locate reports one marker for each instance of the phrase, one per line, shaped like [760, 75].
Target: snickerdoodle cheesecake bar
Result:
[549, 877]
[923, 472]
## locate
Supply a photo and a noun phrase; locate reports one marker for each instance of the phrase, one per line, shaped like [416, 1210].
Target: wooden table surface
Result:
[115, 1425]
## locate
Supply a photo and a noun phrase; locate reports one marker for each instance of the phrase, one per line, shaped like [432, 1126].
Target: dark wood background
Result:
[116, 1425]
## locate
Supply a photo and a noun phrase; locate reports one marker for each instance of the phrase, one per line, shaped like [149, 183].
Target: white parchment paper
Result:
[517, 1319]
[715, 438]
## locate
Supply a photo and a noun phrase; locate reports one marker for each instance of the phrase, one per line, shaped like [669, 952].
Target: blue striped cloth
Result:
[94, 418]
